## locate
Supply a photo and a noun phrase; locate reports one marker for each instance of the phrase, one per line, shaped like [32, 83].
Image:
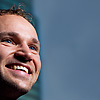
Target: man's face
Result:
[19, 53]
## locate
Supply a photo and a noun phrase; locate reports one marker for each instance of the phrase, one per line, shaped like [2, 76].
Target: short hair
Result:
[16, 11]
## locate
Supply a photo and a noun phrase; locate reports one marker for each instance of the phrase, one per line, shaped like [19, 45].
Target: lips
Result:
[20, 67]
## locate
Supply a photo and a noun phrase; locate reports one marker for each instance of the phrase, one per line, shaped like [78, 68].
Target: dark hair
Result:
[16, 11]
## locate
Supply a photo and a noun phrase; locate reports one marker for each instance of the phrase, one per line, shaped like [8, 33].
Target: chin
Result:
[19, 88]
[23, 88]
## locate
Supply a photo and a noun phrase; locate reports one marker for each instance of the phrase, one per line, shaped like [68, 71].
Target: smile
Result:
[17, 67]
[20, 67]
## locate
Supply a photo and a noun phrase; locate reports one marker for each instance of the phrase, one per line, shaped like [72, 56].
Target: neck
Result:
[4, 98]
[8, 92]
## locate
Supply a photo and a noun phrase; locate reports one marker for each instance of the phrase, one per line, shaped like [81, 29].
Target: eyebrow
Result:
[9, 34]
[15, 34]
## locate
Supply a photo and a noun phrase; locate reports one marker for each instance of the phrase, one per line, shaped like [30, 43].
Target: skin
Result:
[19, 45]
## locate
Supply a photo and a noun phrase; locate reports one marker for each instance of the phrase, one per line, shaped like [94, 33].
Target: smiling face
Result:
[19, 55]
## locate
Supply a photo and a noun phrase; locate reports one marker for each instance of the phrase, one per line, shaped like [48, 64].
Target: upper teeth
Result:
[17, 67]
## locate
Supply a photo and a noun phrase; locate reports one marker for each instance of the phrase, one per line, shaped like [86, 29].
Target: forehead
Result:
[15, 23]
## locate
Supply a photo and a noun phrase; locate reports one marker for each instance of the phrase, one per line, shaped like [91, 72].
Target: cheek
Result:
[4, 52]
[38, 64]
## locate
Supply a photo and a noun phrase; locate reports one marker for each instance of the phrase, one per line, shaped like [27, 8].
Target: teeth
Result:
[14, 67]
[17, 67]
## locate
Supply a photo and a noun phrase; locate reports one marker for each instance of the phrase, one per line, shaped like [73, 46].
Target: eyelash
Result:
[7, 40]
[34, 47]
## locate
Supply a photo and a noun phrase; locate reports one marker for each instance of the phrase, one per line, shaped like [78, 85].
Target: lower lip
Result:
[18, 72]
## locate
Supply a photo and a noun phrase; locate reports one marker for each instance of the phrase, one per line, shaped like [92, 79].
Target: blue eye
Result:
[31, 47]
[8, 41]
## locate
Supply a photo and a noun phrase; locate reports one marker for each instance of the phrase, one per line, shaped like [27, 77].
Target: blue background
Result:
[70, 38]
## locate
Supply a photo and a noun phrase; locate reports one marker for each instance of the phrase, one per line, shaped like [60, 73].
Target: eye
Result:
[8, 41]
[32, 47]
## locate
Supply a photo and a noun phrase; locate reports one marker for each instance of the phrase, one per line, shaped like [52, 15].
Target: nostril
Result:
[19, 58]
[22, 56]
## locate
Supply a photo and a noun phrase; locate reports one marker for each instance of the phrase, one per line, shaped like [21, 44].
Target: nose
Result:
[23, 53]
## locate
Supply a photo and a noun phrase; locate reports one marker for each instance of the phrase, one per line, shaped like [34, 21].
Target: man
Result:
[19, 54]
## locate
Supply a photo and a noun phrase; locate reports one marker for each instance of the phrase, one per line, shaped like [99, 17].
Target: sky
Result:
[69, 32]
